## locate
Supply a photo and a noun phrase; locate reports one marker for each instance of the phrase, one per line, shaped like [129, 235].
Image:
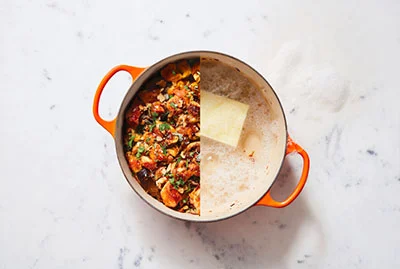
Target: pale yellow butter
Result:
[221, 118]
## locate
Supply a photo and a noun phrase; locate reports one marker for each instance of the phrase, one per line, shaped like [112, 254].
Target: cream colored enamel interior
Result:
[234, 178]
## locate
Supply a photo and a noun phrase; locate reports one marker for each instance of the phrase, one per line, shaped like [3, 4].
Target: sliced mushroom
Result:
[160, 182]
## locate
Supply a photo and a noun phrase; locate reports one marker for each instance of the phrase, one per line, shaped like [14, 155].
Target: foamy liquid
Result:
[229, 176]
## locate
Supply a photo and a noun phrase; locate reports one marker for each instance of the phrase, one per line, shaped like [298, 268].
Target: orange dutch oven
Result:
[279, 148]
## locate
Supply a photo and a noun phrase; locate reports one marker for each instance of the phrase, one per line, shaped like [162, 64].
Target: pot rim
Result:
[120, 117]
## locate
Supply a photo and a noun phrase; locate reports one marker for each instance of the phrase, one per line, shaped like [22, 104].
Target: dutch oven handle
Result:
[110, 125]
[267, 200]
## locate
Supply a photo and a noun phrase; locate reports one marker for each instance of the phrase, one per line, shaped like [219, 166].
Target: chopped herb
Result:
[164, 150]
[187, 163]
[140, 151]
[189, 189]
[180, 182]
[154, 114]
[172, 104]
[179, 159]
[184, 201]
[191, 154]
[186, 87]
[131, 140]
[164, 126]
[148, 139]
[177, 183]
[152, 126]
[170, 96]
[173, 72]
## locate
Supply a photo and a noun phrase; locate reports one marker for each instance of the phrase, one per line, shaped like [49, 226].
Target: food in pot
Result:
[232, 176]
[161, 136]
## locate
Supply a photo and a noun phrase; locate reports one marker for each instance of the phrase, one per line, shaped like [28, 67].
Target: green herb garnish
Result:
[152, 126]
[131, 140]
[173, 72]
[176, 183]
[148, 139]
[180, 182]
[187, 163]
[172, 104]
[164, 150]
[189, 189]
[179, 159]
[184, 201]
[186, 87]
[164, 126]
[154, 114]
[140, 151]
[191, 154]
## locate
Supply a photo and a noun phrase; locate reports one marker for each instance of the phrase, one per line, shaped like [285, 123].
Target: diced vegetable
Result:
[161, 139]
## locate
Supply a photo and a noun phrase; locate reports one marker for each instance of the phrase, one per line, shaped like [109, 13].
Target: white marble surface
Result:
[64, 202]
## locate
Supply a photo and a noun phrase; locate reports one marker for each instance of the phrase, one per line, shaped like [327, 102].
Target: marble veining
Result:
[64, 202]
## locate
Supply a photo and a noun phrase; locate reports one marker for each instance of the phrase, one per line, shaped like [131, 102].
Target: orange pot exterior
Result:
[267, 200]
[110, 125]
[292, 147]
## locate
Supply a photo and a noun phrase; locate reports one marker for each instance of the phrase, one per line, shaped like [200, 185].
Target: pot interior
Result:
[262, 143]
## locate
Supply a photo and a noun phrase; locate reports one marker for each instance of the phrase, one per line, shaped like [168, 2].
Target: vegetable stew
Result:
[161, 136]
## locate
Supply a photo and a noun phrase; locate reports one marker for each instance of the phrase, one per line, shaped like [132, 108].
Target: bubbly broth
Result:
[229, 176]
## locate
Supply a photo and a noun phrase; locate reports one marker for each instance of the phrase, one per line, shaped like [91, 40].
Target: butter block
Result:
[221, 118]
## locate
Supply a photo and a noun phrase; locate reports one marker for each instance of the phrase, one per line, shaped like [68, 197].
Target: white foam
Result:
[229, 177]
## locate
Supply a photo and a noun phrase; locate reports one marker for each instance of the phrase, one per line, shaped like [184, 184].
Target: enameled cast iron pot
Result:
[278, 149]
